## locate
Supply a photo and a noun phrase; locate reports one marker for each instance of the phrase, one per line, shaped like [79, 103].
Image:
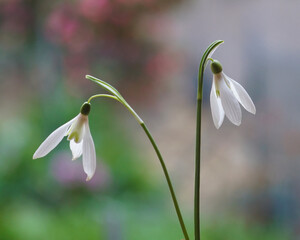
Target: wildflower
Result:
[81, 141]
[225, 96]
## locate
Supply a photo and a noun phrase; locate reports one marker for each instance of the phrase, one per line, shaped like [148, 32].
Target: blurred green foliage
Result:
[36, 204]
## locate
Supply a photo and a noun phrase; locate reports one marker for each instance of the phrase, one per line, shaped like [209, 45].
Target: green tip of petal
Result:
[74, 135]
[88, 178]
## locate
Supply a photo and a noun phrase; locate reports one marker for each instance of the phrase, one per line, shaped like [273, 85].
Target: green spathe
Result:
[216, 67]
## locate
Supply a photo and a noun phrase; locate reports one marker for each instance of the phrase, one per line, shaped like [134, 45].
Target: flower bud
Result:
[216, 67]
[85, 108]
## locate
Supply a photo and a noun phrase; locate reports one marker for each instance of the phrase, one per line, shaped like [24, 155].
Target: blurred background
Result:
[150, 51]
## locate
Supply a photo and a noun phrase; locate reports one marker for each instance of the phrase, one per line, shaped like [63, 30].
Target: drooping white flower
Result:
[225, 96]
[81, 141]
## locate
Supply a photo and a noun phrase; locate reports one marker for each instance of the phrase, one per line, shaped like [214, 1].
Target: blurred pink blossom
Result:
[132, 2]
[94, 10]
[65, 27]
[161, 64]
[62, 25]
[15, 17]
[118, 33]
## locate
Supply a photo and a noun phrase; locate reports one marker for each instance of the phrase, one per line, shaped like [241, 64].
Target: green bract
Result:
[106, 86]
[207, 54]
[115, 93]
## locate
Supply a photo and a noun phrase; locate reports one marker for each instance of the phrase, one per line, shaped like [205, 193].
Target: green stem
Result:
[202, 66]
[141, 122]
[168, 181]
[102, 95]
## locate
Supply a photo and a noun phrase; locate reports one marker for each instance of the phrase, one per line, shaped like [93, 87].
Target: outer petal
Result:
[76, 149]
[89, 153]
[241, 95]
[216, 107]
[53, 140]
[230, 103]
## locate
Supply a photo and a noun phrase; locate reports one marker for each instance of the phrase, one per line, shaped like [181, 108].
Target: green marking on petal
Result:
[75, 136]
[227, 82]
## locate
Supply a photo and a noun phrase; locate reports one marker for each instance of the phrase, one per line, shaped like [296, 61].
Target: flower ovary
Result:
[216, 67]
[85, 108]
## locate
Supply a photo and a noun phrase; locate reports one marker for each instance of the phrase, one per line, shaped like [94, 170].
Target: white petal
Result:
[216, 107]
[230, 103]
[53, 140]
[77, 128]
[89, 153]
[242, 96]
[76, 149]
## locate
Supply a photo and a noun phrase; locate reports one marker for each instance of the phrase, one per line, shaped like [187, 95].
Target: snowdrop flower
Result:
[225, 96]
[81, 141]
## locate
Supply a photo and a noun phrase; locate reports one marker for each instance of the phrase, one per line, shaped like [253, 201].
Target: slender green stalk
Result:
[168, 181]
[165, 171]
[102, 95]
[202, 66]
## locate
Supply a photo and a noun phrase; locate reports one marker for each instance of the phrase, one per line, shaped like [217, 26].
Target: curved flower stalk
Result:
[207, 54]
[117, 96]
[81, 141]
[225, 96]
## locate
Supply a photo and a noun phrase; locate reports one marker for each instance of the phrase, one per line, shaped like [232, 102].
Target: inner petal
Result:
[77, 128]
[76, 149]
